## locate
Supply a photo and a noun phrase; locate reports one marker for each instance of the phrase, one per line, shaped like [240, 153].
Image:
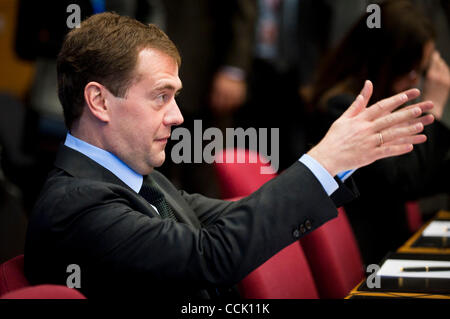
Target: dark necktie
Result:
[156, 198]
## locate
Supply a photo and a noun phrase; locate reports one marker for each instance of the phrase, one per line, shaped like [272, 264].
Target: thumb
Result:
[361, 100]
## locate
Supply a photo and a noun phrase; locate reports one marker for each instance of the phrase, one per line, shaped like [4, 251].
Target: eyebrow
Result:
[168, 87]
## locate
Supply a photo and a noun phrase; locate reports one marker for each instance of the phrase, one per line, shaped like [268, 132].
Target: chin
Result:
[159, 161]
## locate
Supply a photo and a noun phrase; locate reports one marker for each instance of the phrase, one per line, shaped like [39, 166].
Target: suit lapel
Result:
[79, 165]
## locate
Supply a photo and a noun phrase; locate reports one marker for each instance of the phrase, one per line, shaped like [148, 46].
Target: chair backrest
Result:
[14, 285]
[334, 257]
[44, 292]
[284, 276]
[331, 250]
[244, 177]
[413, 216]
[12, 276]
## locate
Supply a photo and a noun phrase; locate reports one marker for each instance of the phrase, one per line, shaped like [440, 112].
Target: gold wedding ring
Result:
[381, 138]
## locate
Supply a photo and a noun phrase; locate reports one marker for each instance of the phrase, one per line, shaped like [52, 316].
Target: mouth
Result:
[163, 139]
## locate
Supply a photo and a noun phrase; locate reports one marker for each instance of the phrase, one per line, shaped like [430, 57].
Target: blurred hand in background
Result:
[437, 84]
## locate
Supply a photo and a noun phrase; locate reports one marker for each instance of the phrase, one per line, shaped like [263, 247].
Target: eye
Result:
[162, 98]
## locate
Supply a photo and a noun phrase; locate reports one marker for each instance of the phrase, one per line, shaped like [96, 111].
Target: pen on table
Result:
[424, 269]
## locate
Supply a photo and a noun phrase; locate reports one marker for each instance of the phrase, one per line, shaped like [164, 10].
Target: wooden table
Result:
[361, 291]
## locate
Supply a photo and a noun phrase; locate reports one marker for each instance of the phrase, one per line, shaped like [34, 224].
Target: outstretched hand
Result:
[363, 134]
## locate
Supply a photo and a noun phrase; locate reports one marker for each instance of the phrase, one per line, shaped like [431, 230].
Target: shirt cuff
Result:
[326, 180]
[344, 175]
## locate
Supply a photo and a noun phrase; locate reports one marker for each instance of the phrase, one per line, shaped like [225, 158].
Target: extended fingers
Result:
[425, 106]
[414, 139]
[389, 104]
[399, 117]
[392, 150]
[425, 120]
[397, 134]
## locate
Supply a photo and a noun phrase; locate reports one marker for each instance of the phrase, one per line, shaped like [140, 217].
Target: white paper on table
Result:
[437, 228]
[392, 268]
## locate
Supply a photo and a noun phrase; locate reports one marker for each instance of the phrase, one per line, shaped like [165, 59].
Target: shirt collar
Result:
[107, 160]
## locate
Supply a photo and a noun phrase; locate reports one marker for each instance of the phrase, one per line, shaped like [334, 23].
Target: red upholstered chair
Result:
[331, 251]
[241, 179]
[14, 285]
[413, 216]
[12, 276]
[284, 276]
[44, 292]
[334, 257]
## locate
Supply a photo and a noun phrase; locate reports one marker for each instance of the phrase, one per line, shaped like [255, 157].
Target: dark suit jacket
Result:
[87, 216]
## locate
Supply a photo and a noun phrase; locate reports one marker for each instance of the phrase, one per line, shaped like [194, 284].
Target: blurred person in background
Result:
[290, 36]
[399, 55]
[215, 40]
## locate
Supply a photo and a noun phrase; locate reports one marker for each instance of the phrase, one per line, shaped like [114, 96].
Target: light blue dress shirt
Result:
[109, 161]
[135, 180]
[326, 180]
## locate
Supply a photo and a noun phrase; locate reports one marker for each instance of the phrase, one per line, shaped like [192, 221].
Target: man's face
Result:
[140, 124]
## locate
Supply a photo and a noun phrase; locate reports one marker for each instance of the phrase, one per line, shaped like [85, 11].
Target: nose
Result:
[173, 115]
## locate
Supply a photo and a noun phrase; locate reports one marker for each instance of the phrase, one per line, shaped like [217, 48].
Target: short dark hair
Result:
[104, 49]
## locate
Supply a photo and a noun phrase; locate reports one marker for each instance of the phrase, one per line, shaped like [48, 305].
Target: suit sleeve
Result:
[209, 209]
[106, 236]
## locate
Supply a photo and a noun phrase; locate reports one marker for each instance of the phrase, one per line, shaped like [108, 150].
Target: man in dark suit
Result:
[131, 232]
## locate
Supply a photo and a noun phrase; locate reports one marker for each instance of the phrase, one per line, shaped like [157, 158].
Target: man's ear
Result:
[95, 97]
